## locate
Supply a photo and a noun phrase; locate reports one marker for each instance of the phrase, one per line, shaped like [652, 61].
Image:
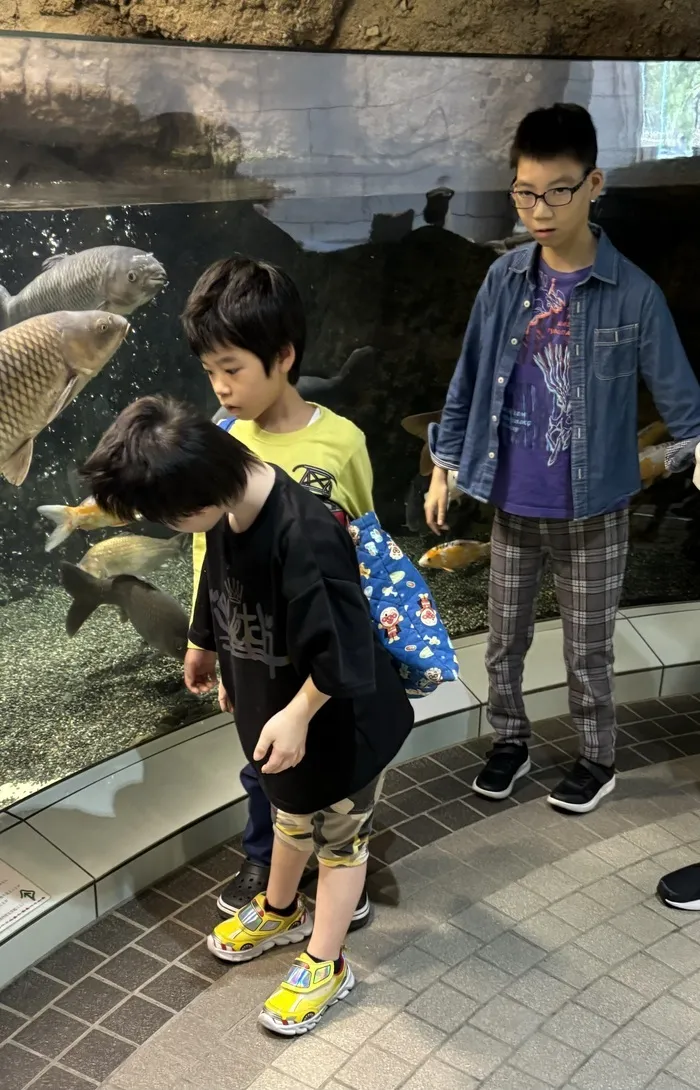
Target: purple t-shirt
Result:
[534, 459]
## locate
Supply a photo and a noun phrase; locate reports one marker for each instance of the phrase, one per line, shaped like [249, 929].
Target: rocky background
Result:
[584, 28]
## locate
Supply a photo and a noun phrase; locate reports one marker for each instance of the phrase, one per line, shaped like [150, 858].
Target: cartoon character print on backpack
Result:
[389, 620]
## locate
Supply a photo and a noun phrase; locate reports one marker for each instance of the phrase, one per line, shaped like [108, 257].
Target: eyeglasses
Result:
[555, 198]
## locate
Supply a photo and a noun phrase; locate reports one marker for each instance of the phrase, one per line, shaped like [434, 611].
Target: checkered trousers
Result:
[588, 559]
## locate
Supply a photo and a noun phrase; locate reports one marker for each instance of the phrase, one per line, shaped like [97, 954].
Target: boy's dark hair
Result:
[165, 460]
[248, 304]
[562, 129]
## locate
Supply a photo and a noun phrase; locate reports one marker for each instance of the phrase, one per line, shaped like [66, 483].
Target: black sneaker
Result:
[505, 764]
[582, 789]
[681, 888]
[362, 914]
[251, 879]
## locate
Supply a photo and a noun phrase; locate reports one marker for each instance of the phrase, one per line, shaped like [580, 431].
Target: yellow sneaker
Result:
[302, 999]
[253, 930]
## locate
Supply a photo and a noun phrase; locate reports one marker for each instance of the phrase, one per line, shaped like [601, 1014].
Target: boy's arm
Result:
[201, 633]
[358, 480]
[447, 449]
[285, 734]
[666, 370]
[199, 552]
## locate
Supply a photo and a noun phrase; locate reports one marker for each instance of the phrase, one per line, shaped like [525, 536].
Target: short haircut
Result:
[246, 304]
[562, 129]
[165, 461]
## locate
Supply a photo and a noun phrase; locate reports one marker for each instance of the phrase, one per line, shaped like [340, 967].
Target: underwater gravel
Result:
[657, 572]
[67, 704]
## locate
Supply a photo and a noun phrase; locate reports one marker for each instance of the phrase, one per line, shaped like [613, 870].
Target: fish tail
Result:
[181, 541]
[60, 515]
[86, 591]
[364, 355]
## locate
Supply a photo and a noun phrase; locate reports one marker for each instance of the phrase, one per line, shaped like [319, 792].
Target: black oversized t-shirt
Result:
[280, 602]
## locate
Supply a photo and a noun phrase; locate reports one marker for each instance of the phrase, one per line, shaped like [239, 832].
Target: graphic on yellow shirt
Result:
[329, 457]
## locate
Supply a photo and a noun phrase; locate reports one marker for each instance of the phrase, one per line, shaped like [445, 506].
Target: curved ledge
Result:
[92, 841]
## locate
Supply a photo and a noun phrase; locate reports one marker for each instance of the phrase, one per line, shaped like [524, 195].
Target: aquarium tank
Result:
[380, 183]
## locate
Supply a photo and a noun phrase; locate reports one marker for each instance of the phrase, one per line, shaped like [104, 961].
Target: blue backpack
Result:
[403, 611]
[400, 606]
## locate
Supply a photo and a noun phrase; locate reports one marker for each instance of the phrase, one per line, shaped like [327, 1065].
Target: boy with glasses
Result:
[541, 421]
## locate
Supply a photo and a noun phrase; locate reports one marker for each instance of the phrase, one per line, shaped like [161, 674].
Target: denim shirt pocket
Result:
[615, 352]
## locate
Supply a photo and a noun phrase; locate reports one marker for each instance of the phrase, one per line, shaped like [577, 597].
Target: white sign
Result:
[18, 897]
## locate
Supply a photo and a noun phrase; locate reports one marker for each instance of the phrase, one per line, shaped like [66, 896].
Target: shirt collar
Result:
[526, 259]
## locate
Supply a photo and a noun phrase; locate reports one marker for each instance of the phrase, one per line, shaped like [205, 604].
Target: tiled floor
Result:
[513, 949]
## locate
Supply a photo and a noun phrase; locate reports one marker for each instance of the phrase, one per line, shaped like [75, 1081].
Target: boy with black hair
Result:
[541, 421]
[245, 320]
[320, 707]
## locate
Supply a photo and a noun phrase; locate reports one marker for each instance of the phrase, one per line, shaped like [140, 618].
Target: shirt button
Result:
[526, 304]
[514, 340]
[491, 454]
[501, 380]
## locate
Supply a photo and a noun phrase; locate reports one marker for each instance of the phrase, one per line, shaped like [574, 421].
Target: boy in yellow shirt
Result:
[245, 320]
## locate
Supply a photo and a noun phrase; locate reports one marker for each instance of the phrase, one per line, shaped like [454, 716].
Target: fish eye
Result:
[102, 326]
[131, 276]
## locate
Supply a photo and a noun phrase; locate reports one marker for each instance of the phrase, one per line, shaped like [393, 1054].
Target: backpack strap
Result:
[226, 423]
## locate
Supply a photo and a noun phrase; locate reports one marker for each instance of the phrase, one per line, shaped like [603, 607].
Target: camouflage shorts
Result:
[339, 835]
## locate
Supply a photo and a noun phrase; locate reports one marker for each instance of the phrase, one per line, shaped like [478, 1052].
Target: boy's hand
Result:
[285, 736]
[436, 501]
[224, 700]
[200, 670]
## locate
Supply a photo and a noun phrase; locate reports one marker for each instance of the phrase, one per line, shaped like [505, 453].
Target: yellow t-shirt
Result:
[329, 457]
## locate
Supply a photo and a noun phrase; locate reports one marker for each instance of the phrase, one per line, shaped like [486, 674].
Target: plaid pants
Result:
[588, 560]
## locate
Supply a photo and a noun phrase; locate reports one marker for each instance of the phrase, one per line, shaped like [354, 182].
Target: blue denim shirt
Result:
[620, 327]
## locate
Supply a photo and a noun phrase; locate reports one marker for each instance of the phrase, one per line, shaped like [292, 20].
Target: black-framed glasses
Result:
[555, 198]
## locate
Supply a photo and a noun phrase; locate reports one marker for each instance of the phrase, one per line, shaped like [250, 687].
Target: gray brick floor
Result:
[523, 951]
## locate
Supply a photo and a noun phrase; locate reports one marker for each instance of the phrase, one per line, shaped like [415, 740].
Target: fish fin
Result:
[86, 591]
[49, 262]
[77, 615]
[123, 615]
[425, 467]
[17, 465]
[5, 300]
[418, 424]
[60, 515]
[365, 354]
[182, 541]
[64, 398]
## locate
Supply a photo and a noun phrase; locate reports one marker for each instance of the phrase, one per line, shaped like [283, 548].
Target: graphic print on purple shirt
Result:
[534, 459]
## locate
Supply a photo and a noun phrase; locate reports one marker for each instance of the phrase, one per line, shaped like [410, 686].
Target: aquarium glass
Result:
[380, 184]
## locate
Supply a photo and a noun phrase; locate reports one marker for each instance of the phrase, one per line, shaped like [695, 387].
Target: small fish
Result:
[158, 618]
[131, 554]
[455, 555]
[652, 464]
[44, 363]
[86, 516]
[650, 435]
[329, 391]
[113, 278]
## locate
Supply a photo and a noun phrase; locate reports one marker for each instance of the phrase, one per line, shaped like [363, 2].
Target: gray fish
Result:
[114, 278]
[44, 363]
[330, 391]
[158, 618]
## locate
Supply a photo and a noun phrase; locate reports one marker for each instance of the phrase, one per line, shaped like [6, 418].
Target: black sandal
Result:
[251, 879]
